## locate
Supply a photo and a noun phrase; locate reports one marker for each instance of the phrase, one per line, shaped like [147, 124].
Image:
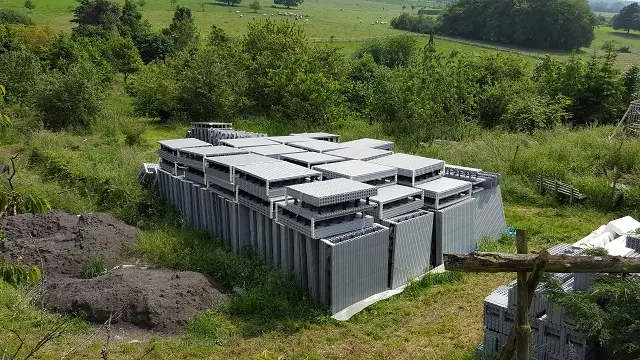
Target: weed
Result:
[596, 251]
[3, 236]
[211, 325]
[94, 267]
[417, 287]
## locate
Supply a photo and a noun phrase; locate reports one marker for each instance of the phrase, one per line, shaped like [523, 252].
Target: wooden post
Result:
[523, 334]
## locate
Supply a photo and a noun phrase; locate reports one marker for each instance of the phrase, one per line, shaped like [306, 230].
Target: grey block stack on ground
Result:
[350, 220]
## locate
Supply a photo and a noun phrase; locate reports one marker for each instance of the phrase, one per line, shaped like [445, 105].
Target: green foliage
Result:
[11, 16]
[628, 18]
[230, 2]
[182, 31]
[95, 18]
[19, 274]
[557, 24]
[418, 24]
[255, 6]
[288, 3]
[596, 251]
[390, 52]
[19, 71]
[133, 133]
[94, 267]
[122, 55]
[70, 100]
[132, 25]
[212, 326]
[155, 91]
[417, 287]
[608, 312]
[28, 4]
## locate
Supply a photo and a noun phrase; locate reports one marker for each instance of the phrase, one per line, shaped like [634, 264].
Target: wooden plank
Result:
[499, 262]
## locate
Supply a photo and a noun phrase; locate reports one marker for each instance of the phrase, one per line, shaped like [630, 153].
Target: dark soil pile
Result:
[62, 244]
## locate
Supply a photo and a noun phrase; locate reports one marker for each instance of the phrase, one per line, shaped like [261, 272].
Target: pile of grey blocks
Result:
[349, 220]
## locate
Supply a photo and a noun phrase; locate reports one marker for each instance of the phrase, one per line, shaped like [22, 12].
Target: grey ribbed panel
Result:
[359, 266]
[324, 264]
[370, 143]
[455, 229]
[312, 253]
[224, 220]
[320, 136]
[260, 232]
[244, 233]
[490, 220]
[297, 255]
[268, 242]
[252, 229]
[304, 274]
[233, 223]
[287, 251]
[276, 234]
[410, 248]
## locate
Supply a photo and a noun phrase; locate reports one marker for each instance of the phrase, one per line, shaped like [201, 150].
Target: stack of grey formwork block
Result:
[357, 153]
[553, 333]
[366, 172]
[168, 152]
[204, 130]
[288, 139]
[490, 219]
[215, 136]
[248, 142]
[412, 169]
[319, 146]
[275, 151]
[310, 159]
[148, 175]
[396, 200]
[220, 171]
[370, 143]
[334, 249]
[193, 160]
[320, 136]
[455, 216]
[259, 187]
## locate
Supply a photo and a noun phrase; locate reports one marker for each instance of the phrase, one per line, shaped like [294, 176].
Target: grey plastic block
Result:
[309, 159]
[480, 179]
[274, 151]
[260, 205]
[455, 229]
[444, 192]
[214, 125]
[268, 180]
[221, 169]
[248, 142]
[370, 143]
[366, 172]
[287, 139]
[320, 146]
[330, 192]
[320, 136]
[395, 200]
[353, 266]
[410, 246]
[490, 220]
[412, 169]
[322, 228]
[358, 153]
[177, 144]
[194, 157]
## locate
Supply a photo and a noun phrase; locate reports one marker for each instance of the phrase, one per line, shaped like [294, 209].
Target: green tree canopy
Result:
[132, 25]
[255, 6]
[288, 3]
[29, 4]
[230, 2]
[628, 18]
[95, 18]
[123, 55]
[182, 30]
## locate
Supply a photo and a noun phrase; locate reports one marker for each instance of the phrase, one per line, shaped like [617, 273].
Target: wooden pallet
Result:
[559, 187]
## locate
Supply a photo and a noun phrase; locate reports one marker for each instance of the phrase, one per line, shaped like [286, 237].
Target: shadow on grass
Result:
[624, 35]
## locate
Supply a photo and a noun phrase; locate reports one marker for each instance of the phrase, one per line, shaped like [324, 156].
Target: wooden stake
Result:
[523, 331]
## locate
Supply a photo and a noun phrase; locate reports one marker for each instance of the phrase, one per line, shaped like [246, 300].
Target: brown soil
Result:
[61, 244]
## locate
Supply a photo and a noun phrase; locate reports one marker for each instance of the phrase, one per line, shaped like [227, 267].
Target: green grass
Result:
[94, 267]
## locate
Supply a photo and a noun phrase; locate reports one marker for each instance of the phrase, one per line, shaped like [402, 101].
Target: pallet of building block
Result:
[322, 228]
[309, 159]
[167, 166]
[395, 200]
[248, 142]
[287, 139]
[498, 317]
[357, 153]
[169, 148]
[148, 174]
[258, 204]
[412, 169]
[444, 192]
[220, 170]
[319, 146]
[454, 229]
[370, 143]
[352, 267]
[362, 171]
[194, 175]
[480, 179]
[490, 218]
[320, 136]
[274, 151]
[330, 192]
[268, 180]
[194, 157]
[409, 246]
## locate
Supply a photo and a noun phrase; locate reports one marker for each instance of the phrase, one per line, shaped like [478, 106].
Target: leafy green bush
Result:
[133, 133]
[94, 267]
[418, 24]
[624, 49]
[18, 274]
[19, 71]
[155, 91]
[11, 16]
[390, 52]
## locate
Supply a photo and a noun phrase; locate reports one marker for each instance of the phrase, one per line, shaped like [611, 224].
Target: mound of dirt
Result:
[62, 244]
[162, 300]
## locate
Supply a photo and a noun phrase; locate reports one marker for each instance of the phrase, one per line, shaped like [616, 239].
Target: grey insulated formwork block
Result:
[395, 200]
[410, 246]
[444, 192]
[309, 159]
[490, 220]
[365, 172]
[357, 153]
[454, 228]
[248, 142]
[220, 170]
[268, 180]
[412, 169]
[194, 157]
[353, 267]
[168, 151]
[480, 179]
[287, 139]
[320, 136]
[320, 146]
[274, 151]
[370, 143]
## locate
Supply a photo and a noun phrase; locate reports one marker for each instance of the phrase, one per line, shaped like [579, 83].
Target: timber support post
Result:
[523, 330]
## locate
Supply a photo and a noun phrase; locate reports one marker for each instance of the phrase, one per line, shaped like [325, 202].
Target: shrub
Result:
[133, 133]
[94, 267]
[418, 24]
[624, 49]
[390, 52]
[10, 16]
[19, 71]
[155, 91]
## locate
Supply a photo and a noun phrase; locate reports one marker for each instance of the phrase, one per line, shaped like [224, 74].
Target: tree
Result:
[288, 3]
[11, 16]
[29, 5]
[628, 19]
[255, 6]
[123, 55]
[142, 4]
[231, 2]
[95, 18]
[132, 25]
[173, 3]
[390, 52]
[155, 91]
[182, 30]
[156, 47]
